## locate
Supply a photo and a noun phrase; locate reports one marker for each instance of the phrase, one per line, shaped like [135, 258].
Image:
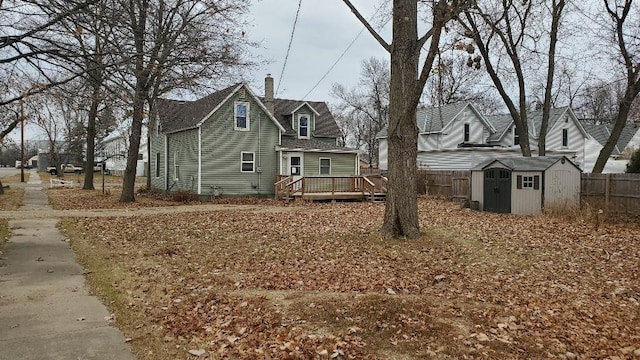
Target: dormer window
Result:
[241, 116]
[303, 126]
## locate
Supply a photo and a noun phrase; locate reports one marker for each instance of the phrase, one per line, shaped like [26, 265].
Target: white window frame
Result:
[466, 132]
[300, 116]
[252, 162]
[565, 131]
[320, 166]
[247, 118]
[176, 165]
[528, 182]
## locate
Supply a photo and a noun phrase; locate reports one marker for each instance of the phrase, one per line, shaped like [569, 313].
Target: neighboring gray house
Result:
[235, 143]
[526, 185]
[458, 137]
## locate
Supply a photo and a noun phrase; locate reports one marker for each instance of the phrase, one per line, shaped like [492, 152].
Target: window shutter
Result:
[536, 182]
[519, 181]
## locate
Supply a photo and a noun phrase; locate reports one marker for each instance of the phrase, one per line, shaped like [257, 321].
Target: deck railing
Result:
[286, 187]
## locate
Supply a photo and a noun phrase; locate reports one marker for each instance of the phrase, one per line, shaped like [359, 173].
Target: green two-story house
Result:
[233, 142]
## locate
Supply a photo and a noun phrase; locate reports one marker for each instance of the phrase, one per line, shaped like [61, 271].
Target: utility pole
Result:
[21, 141]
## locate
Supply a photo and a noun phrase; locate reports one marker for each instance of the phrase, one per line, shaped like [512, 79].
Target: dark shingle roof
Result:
[433, 119]
[601, 133]
[181, 115]
[310, 144]
[326, 125]
[501, 123]
[537, 163]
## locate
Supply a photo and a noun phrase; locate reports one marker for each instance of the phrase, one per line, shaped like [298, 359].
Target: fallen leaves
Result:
[322, 283]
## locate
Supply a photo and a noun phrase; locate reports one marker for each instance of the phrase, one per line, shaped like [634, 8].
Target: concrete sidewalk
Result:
[45, 309]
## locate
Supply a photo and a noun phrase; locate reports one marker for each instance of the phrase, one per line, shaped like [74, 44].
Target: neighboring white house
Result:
[115, 149]
[458, 137]
[628, 142]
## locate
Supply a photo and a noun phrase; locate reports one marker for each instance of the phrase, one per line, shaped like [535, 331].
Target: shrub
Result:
[634, 164]
[184, 196]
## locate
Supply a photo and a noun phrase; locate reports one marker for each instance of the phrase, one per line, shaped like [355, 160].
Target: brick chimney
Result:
[268, 93]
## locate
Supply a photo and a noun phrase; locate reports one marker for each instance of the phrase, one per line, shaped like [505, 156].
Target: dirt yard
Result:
[318, 281]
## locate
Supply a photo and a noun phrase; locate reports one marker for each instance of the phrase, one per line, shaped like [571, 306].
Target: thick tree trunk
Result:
[621, 120]
[401, 212]
[91, 139]
[128, 183]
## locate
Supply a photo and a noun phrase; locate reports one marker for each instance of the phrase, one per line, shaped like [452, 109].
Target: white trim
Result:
[308, 105]
[247, 126]
[308, 126]
[320, 165]
[333, 151]
[176, 166]
[253, 161]
[358, 164]
[295, 154]
[166, 162]
[199, 160]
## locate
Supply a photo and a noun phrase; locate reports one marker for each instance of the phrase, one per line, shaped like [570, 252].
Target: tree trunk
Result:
[91, 138]
[621, 120]
[401, 212]
[128, 183]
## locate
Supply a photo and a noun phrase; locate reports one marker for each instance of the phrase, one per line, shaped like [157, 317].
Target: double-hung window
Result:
[176, 165]
[247, 162]
[241, 116]
[325, 166]
[303, 126]
[467, 132]
[565, 137]
[516, 137]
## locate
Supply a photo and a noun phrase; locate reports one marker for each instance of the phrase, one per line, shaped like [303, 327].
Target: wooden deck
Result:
[360, 188]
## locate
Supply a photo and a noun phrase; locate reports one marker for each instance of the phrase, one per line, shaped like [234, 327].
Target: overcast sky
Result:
[324, 30]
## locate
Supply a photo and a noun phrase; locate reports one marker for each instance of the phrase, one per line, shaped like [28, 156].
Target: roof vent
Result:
[242, 93]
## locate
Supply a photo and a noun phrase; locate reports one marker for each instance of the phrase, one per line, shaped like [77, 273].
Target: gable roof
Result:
[434, 119]
[177, 115]
[602, 132]
[325, 123]
[537, 163]
[503, 122]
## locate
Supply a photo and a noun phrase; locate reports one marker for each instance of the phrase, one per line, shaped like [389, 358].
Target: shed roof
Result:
[538, 163]
[312, 145]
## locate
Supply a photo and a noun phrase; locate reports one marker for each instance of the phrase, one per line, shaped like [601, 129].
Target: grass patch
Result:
[15, 178]
[11, 199]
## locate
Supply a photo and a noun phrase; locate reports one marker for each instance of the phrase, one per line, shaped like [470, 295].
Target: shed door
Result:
[497, 190]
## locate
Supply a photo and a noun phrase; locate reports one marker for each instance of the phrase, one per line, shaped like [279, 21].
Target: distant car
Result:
[66, 168]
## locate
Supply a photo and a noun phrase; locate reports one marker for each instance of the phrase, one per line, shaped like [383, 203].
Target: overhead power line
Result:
[284, 65]
[347, 49]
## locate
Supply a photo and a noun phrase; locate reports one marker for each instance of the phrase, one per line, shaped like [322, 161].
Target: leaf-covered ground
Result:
[320, 282]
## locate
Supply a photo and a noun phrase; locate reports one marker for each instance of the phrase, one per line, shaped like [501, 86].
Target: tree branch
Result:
[366, 24]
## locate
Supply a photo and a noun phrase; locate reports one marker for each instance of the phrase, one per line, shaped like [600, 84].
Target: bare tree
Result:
[365, 108]
[175, 44]
[556, 9]
[625, 27]
[406, 86]
[499, 31]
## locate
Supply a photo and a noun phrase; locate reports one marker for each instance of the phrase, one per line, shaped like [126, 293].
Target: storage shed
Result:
[525, 185]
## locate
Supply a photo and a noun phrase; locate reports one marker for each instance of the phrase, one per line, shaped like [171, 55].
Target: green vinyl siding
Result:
[341, 164]
[222, 147]
[186, 144]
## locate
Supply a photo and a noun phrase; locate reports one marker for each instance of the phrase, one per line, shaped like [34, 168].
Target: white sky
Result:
[324, 30]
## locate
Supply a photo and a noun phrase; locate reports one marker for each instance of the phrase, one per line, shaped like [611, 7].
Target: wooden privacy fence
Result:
[614, 193]
[451, 184]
